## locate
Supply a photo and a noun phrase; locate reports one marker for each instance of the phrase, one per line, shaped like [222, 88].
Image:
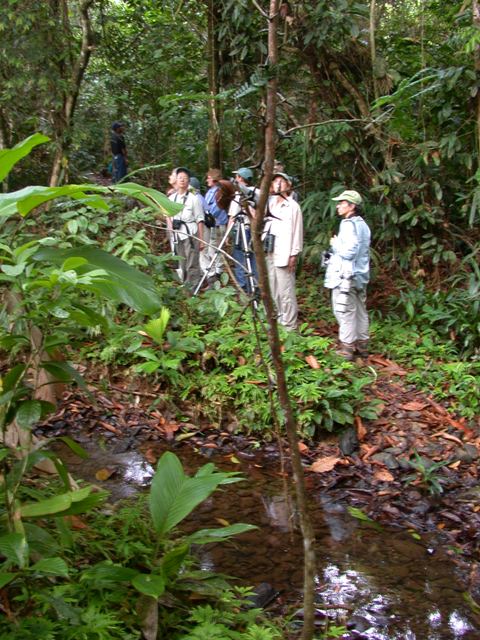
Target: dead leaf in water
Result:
[104, 474]
[323, 465]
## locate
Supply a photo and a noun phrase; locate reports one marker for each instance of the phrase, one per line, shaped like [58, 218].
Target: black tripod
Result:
[242, 243]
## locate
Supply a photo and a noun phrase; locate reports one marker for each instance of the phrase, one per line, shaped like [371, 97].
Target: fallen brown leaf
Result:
[104, 474]
[383, 475]
[324, 464]
[414, 406]
[361, 431]
[302, 447]
[312, 362]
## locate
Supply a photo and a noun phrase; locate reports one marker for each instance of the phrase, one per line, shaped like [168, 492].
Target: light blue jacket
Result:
[350, 254]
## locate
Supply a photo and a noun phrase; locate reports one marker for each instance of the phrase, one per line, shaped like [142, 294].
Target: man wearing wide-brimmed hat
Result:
[347, 275]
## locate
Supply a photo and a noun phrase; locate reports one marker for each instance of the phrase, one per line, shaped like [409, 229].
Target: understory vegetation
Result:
[378, 96]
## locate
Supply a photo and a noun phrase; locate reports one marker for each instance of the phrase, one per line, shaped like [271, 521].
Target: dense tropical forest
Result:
[377, 96]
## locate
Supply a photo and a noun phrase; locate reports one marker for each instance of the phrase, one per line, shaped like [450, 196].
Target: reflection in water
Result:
[393, 587]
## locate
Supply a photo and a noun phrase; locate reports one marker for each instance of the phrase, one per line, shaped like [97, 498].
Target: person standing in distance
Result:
[283, 241]
[347, 275]
[119, 152]
[187, 227]
[214, 235]
[243, 177]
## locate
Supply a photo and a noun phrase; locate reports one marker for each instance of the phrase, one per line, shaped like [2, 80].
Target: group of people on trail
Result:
[201, 230]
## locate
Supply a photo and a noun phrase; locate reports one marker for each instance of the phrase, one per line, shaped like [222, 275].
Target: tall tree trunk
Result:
[273, 336]
[476, 22]
[214, 110]
[64, 119]
[373, 49]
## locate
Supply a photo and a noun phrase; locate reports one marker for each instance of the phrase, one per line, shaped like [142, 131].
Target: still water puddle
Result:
[384, 584]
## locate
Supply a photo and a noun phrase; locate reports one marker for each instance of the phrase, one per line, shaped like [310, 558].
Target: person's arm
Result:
[297, 239]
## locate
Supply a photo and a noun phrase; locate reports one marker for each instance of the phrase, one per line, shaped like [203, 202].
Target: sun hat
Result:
[350, 196]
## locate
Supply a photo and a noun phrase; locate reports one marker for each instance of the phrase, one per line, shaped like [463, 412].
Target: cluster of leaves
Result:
[121, 575]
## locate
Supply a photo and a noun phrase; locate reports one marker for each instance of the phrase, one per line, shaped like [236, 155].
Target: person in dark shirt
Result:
[119, 152]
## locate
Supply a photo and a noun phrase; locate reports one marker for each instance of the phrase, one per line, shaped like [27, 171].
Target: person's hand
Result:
[292, 264]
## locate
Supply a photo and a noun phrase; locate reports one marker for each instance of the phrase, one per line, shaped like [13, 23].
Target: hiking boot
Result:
[361, 348]
[347, 351]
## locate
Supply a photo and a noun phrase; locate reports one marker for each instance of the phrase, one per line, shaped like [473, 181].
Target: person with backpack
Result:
[347, 275]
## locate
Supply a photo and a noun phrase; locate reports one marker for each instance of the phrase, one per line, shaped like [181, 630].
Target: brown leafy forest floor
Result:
[374, 477]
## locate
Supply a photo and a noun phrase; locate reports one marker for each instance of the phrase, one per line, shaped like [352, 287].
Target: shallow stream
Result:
[385, 584]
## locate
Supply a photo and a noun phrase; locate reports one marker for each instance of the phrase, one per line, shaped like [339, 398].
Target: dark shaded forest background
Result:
[379, 96]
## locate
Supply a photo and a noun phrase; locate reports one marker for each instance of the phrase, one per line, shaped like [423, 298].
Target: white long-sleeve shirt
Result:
[286, 224]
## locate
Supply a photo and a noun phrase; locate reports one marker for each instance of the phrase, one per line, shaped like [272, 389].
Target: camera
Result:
[250, 193]
[269, 243]
[176, 225]
[325, 258]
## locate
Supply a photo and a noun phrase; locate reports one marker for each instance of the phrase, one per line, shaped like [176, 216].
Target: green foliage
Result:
[426, 473]
[83, 596]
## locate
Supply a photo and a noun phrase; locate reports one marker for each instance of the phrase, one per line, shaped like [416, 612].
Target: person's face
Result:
[345, 208]
[280, 185]
[210, 181]
[172, 178]
[182, 180]
[240, 180]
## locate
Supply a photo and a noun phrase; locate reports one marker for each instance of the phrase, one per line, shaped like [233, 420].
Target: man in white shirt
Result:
[283, 242]
[187, 228]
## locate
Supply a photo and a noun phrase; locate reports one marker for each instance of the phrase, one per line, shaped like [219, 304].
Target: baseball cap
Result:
[182, 170]
[245, 173]
[117, 125]
[350, 196]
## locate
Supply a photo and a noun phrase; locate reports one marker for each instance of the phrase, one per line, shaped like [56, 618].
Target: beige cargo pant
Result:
[282, 286]
[352, 318]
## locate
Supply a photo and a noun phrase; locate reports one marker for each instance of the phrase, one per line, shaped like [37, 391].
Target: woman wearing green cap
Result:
[347, 275]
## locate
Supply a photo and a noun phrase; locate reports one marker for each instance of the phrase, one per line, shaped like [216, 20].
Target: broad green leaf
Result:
[126, 284]
[173, 495]
[63, 372]
[5, 578]
[13, 376]
[75, 447]
[51, 567]
[40, 540]
[205, 536]
[74, 263]
[157, 200]
[172, 561]
[28, 413]
[15, 548]
[156, 328]
[54, 505]
[13, 270]
[149, 584]
[106, 573]
[10, 157]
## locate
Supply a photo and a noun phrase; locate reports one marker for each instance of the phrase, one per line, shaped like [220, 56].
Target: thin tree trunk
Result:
[65, 119]
[273, 336]
[373, 50]
[214, 139]
[476, 22]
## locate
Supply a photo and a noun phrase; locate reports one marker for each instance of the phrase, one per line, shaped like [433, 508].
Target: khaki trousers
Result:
[282, 285]
[352, 318]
